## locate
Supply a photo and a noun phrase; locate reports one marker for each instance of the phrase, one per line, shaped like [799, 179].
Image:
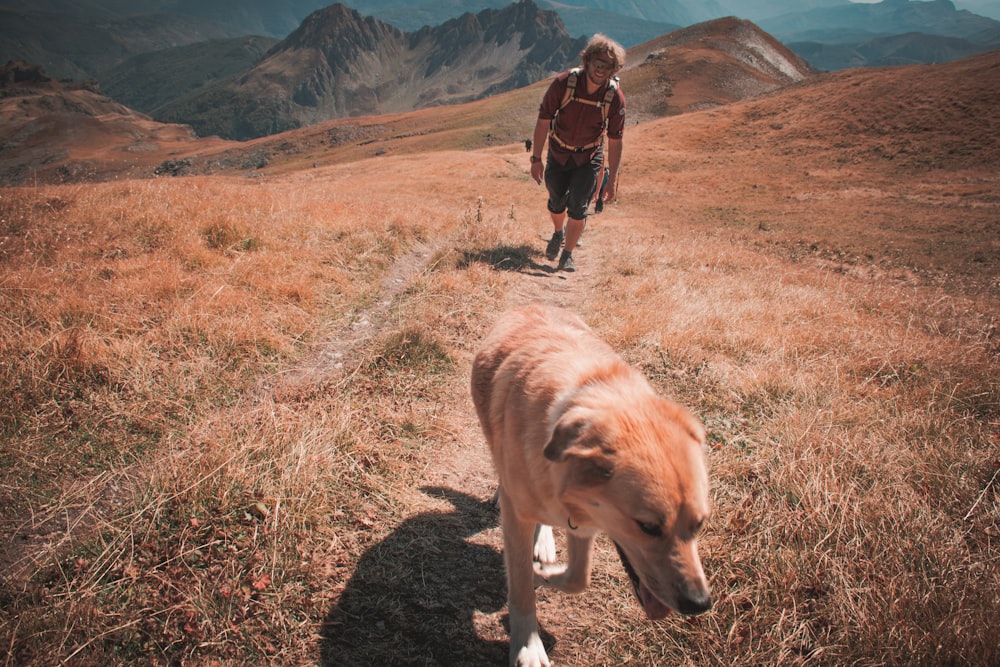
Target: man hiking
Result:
[580, 108]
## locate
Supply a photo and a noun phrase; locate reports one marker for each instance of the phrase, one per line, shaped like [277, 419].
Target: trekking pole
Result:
[599, 204]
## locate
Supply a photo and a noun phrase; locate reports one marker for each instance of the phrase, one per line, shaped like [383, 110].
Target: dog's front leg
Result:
[526, 649]
[575, 576]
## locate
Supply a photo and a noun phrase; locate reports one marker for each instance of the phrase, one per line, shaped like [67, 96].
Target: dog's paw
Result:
[550, 573]
[545, 545]
[561, 578]
[532, 654]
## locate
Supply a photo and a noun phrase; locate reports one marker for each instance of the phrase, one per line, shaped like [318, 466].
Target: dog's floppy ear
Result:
[576, 441]
[564, 436]
[690, 423]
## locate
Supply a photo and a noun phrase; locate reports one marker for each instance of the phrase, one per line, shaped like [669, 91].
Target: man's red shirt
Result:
[580, 124]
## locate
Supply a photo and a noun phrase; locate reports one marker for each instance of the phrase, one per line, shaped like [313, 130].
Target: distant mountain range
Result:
[339, 63]
[245, 68]
[54, 131]
[892, 32]
[82, 39]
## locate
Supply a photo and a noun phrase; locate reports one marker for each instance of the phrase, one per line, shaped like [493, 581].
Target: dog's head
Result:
[634, 467]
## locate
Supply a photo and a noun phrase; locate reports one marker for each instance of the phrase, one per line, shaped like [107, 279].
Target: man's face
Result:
[600, 68]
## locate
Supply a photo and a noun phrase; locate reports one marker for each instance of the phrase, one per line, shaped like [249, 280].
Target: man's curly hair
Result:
[602, 46]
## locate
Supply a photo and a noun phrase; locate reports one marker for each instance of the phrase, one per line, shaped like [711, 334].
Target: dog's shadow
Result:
[413, 597]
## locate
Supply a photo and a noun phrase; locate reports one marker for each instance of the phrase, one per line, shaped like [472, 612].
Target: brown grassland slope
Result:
[236, 426]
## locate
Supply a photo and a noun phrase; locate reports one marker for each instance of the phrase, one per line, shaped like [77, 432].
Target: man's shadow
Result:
[519, 259]
[412, 598]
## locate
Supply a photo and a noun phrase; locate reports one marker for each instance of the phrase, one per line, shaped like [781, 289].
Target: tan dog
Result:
[580, 439]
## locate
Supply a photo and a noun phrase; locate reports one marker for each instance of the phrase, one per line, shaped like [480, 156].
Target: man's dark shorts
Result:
[572, 186]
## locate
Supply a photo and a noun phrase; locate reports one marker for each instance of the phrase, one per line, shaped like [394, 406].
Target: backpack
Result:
[603, 105]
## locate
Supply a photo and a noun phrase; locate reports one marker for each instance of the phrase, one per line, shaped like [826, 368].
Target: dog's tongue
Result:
[654, 609]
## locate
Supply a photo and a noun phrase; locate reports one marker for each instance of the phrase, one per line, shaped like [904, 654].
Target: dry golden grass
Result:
[237, 427]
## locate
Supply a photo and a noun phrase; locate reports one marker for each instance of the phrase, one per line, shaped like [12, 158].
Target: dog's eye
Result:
[651, 529]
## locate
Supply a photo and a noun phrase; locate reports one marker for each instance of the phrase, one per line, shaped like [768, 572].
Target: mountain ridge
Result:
[719, 72]
[78, 40]
[339, 63]
[664, 79]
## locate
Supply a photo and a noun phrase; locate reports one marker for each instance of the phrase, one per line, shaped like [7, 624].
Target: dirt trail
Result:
[473, 469]
[433, 590]
[466, 464]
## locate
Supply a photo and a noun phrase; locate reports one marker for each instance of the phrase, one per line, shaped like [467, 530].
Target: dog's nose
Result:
[695, 604]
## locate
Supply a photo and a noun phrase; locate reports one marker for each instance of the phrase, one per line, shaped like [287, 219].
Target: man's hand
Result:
[610, 190]
[537, 171]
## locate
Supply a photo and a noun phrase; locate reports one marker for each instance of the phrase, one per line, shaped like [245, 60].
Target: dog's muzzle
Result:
[654, 608]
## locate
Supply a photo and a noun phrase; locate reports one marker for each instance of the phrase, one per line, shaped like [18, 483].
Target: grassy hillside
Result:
[150, 80]
[238, 428]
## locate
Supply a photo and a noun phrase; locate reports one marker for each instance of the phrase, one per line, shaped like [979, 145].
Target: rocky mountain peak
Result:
[17, 72]
[18, 75]
[339, 31]
[339, 63]
[746, 43]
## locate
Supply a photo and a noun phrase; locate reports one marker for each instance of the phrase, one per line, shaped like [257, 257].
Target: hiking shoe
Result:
[566, 262]
[552, 249]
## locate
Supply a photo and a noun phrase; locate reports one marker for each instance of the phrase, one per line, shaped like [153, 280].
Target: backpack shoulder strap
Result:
[574, 76]
[613, 85]
[609, 95]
